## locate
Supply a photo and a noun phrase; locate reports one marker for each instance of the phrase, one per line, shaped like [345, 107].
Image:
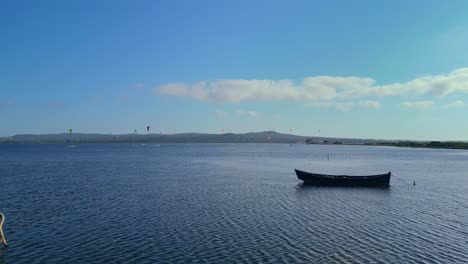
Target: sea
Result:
[230, 203]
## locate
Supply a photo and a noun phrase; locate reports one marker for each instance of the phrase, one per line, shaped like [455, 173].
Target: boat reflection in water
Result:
[379, 180]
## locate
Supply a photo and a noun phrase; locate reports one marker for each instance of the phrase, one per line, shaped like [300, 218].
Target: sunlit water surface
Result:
[222, 203]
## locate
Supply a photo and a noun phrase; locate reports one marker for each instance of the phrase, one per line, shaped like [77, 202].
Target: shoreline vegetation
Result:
[431, 144]
[253, 137]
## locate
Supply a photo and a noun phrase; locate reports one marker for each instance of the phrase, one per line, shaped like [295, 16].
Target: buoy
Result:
[2, 236]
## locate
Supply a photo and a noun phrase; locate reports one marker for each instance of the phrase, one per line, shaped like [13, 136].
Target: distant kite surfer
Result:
[147, 128]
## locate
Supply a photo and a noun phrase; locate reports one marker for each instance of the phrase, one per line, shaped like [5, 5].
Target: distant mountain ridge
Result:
[251, 137]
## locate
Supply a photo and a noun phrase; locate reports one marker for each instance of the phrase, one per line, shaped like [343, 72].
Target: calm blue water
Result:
[213, 203]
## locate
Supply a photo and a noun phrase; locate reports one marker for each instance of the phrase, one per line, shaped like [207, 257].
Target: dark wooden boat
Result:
[379, 180]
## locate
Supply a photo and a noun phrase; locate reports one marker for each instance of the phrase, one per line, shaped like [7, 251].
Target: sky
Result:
[360, 69]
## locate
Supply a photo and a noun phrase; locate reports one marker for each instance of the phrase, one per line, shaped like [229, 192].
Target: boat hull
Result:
[380, 180]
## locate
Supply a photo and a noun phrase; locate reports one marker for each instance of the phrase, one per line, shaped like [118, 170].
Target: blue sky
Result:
[366, 69]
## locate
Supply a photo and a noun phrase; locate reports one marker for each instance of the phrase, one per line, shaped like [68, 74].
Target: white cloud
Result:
[239, 112]
[418, 105]
[458, 103]
[344, 106]
[321, 104]
[369, 104]
[341, 106]
[318, 88]
[176, 89]
[246, 113]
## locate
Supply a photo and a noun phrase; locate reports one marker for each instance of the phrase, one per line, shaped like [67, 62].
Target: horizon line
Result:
[264, 131]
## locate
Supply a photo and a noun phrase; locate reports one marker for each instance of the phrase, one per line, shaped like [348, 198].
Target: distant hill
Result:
[253, 137]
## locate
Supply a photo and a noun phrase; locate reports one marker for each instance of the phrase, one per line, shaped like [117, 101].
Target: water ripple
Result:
[209, 203]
